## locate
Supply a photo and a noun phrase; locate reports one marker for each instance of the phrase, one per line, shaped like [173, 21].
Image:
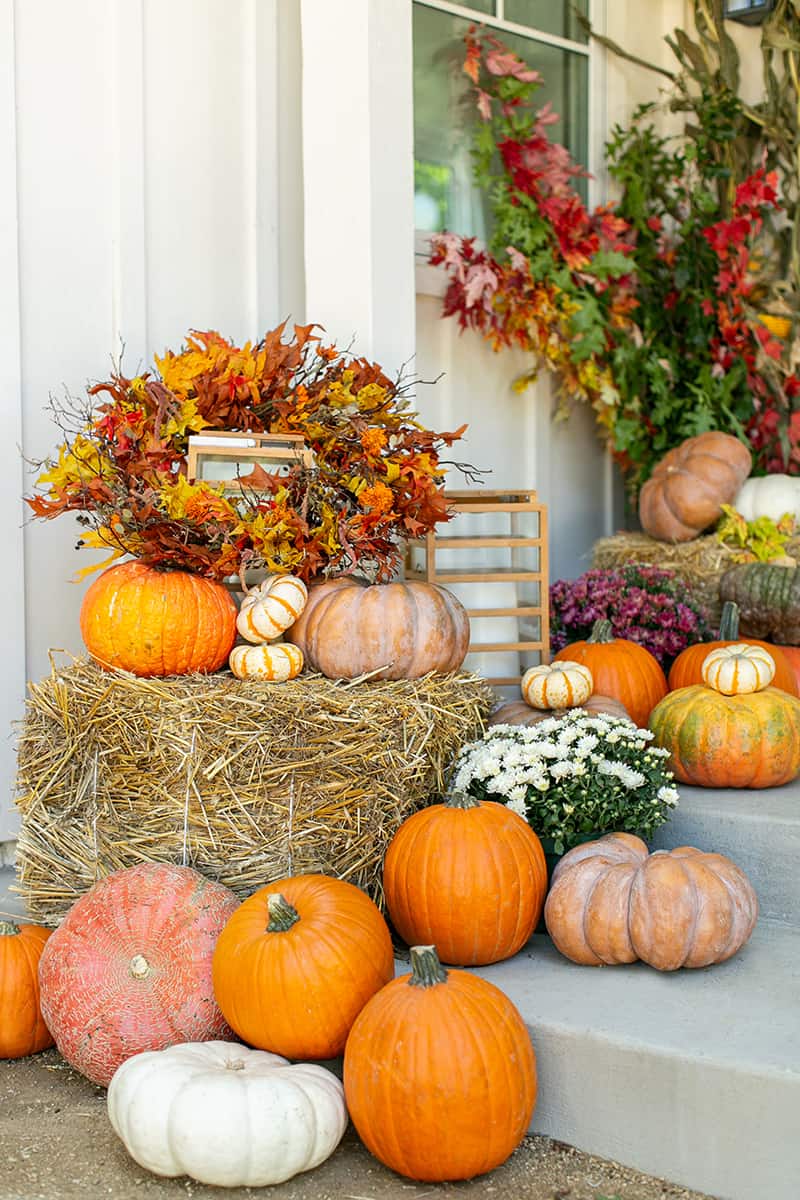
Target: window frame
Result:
[430, 281]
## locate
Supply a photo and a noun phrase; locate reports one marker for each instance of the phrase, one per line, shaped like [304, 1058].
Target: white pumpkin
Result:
[563, 684]
[739, 669]
[770, 496]
[272, 661]
[270, 608]
[226, 1115]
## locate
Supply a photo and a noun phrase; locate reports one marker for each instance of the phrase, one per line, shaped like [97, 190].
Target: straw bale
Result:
[244, 781]
[701, 562]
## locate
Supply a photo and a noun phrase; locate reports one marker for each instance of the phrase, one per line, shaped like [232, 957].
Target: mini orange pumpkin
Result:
[297, 962]
[688, 487]
[440, 1073]
[134, 618]
[620, 668]
[612, 902]
[22, 1027]
[467, 875]
[387, 630]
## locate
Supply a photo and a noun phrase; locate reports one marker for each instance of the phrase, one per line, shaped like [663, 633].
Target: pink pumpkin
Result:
[129, 968]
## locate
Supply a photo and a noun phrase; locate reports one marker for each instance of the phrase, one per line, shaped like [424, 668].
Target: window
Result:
[547, 35]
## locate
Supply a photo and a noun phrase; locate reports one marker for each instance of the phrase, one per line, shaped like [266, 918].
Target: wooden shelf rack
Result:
[519, 506]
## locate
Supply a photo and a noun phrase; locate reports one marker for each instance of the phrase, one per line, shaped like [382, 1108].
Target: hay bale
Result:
[701, 563]
[244, 781]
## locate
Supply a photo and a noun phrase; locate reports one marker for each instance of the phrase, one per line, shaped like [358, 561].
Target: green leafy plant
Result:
[761, 540]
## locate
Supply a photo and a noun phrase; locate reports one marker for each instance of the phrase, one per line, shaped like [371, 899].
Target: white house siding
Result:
[161, 167]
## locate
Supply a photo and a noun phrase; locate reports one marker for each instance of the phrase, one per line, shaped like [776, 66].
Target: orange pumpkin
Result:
[517, 712]
[686, 669]
[612, 902]
[440, 1074]
[134, 618]
[387, 630]
[469, 876]
[298, 961]
[748, 741]
[129, 968]
[792, 655]
[620, 668]
[22, 1026]
[688, 487]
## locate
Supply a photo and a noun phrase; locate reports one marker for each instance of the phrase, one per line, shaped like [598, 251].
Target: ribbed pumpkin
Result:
[768, 598]
[792, 656]
[620, 668]
[298, 961]
[612, 902]
[134, 618]
[517, 712]
[22, 1027]
[271, 607]
[269, 661]
[750, 741]
[687, 668]
[562, 684]
[769, 496]
[689, 485]
[467, 875]
[394, 630]
[440, 1074]
[129, 968]
[738, 669]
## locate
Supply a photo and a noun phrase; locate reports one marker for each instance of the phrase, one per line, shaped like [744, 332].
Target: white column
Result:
[358, 165]
[12, 597]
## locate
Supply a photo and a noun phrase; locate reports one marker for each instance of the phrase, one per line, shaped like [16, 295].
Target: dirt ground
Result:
[56, 1144]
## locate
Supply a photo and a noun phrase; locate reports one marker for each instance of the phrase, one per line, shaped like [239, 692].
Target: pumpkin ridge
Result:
[586, 913]
[39, 1024]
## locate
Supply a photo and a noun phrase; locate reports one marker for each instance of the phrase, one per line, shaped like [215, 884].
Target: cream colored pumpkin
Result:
[770, 496]
[275, 662]
[226, 1115]
[271, 607]
[739, 669]
[563, 684]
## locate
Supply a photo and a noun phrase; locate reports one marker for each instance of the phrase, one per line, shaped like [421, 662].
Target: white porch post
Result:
[358, 164]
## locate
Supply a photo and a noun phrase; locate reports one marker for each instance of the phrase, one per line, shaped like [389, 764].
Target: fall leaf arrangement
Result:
[122, 466]
[655, 311]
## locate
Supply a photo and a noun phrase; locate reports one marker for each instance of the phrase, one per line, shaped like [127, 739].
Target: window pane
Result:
[551, 16]
[444, 117]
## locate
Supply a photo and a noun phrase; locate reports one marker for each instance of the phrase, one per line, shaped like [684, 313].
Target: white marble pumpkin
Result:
[224, 1114]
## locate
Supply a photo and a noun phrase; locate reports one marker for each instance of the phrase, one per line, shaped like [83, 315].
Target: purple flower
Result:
[645, 604]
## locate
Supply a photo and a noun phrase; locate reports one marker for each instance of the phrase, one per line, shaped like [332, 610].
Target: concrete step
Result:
[691, 1076]
[758, 829]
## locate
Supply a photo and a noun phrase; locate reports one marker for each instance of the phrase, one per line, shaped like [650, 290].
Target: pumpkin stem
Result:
[139, 967]
[601, 632]
[282, 915]
[461, 800]
[8, 929]
[729, 622]
[426, 970]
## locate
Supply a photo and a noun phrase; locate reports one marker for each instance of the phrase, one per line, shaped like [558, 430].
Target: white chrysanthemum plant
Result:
[573, 777]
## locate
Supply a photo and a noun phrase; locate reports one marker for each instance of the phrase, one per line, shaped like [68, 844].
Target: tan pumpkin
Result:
[517, 712]
[270, 608]
[612, 902]
[562, 684]
[739, 669]
[387, 630]
[272, 662]
[689, 485]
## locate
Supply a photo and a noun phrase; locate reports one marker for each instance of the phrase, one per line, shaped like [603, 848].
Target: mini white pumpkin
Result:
[770, 496]
[739, 669]
[563, 684]
[226, 1115]
[272, 661]
[270, 608]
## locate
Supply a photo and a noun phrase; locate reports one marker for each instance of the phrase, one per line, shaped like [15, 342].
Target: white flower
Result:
[613, 737]
[518, 806]
[631, 778]
[561, 770]
[586, 743]
[669, 795]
